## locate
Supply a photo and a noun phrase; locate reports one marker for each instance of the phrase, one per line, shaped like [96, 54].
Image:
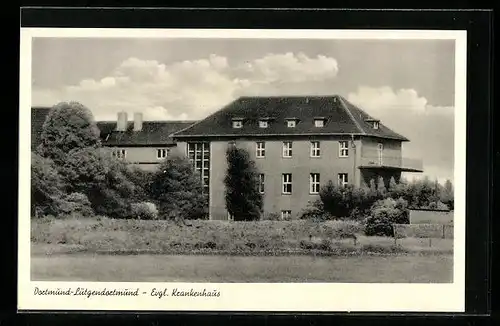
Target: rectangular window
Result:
[343, 180]
[290, 123]
[314, 183]
[261, 149]
[343, 148]
[287, 149]
[286, 215]
[261, 183]
[161, 153]
[237, 124]
[199, 156]
[263, 124]
[319, 123]
[119, 153]
[287, 183]
[315, 149]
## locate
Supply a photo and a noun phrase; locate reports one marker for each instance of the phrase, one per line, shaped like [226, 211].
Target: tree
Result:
[47, 186]
[68, 126]
[381, 190]
[447, 194]
[178, 190]
[393, 188]
[243, 200]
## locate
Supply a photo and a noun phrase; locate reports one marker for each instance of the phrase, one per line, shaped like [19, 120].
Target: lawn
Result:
[437, 268]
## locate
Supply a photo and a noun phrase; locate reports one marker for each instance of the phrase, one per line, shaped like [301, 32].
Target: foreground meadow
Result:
[101, 249]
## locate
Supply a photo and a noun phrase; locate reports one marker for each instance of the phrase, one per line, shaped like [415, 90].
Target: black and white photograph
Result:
[176, 165]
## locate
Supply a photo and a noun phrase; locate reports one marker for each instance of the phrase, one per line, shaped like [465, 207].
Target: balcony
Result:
[402, 164]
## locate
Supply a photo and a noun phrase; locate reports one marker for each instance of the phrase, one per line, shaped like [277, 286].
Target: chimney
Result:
[137, 121]
[121, 123]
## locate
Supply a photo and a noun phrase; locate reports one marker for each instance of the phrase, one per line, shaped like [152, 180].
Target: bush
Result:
[439, 206]
[271, 217]
[145, 211]
[383, 214]
[75, 204]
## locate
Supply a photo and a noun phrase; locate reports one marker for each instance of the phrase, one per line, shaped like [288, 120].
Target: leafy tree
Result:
[393, 188]
[243, 200]
[385, 213]
[68, 126]
[178, 191]
[381, 190]
[47, 186]
[447, 194]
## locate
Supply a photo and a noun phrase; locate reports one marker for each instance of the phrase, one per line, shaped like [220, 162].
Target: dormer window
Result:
[291, 122]
[237, 123]
[319, 122]
[374, 123]
[263, 124]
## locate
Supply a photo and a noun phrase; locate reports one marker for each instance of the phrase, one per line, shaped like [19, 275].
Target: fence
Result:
[429, 231]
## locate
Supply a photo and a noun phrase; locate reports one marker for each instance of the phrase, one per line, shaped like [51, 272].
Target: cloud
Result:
[189, 89]
[429, 128]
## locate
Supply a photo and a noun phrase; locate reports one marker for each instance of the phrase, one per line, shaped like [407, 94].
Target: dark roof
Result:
[38, 116]
[341, 116]
[152, 133]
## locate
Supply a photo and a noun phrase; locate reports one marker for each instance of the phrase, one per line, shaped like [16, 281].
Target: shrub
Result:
[439, 206]
[145, 211]
[383, 214]
[271, 217]
[75, 204]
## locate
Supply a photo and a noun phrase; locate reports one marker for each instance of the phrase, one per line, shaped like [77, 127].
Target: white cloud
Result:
[429, 128]
[188, 89]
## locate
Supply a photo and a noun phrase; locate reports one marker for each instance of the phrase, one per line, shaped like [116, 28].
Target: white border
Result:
[250, 296]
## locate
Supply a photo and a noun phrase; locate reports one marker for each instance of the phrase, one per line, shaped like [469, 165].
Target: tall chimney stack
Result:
[121, 123]
[137, 121]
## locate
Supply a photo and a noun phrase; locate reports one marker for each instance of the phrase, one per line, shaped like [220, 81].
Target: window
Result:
[286, 215]
[380, 153]
[315, 149]
[260, 149]
[261, 183]
[343, 180]
[375, 124]
[199, 156]
[119, 153]
[314, 183]
[161, 153]
[237, 123]
[263, 124]
[291, 123]
[343, 148]
[287, 149]
[287, 183]
[319, 123]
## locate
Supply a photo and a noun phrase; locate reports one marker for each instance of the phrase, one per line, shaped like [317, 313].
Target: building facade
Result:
[298, 144]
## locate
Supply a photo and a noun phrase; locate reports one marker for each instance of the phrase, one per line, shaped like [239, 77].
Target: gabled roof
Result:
[153, 133]
[342, 117]
[38, 116]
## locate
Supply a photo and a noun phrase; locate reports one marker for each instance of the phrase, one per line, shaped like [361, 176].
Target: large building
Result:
[298, 144]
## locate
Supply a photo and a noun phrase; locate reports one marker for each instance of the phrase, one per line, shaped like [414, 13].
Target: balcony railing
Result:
[391, 162]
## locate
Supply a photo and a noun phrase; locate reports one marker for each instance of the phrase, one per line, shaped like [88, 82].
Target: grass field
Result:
[191, 268]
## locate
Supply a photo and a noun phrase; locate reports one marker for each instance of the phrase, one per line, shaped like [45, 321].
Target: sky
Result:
[407, 84]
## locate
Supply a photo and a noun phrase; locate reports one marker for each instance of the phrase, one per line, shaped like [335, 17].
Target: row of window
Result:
[315, 149]
[290, 123]
[314, 182]
[161, 153]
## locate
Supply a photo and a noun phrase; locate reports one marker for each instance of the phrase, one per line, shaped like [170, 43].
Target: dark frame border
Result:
[479, 118]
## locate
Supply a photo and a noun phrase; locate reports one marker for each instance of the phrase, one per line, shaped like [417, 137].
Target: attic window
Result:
[291, 122]
[237, 123]
[263, 124]
[375, 124]
[319, 122]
